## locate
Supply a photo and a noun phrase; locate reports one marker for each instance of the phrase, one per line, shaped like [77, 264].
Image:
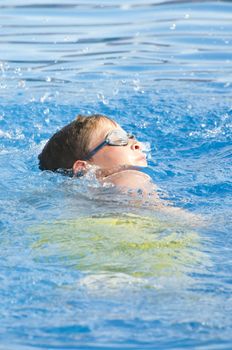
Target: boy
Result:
[99, 143]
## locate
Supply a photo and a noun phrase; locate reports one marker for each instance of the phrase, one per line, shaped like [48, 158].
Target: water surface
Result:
[71, 276]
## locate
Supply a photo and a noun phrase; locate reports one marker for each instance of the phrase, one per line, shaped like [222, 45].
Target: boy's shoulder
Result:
[130, 179]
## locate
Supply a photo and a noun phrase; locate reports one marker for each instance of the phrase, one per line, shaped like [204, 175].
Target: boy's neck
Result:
[104, 173]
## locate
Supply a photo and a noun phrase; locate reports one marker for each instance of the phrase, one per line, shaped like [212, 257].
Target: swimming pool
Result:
[163, 70]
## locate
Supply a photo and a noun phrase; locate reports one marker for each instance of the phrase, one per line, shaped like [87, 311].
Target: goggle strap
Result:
[95, 150]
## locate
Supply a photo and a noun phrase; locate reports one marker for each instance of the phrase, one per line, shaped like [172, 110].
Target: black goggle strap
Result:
[95, 150]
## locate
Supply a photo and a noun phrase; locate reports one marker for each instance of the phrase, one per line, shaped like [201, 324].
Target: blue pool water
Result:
[162, 69]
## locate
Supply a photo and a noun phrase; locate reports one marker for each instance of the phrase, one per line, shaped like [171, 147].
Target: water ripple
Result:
[163, 70]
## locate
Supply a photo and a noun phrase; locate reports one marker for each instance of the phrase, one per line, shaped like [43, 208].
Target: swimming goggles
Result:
[115, 137]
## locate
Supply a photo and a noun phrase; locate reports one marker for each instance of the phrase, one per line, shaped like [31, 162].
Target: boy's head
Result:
[84, 142]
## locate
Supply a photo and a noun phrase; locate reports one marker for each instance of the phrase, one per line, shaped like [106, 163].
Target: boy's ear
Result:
[79, 167]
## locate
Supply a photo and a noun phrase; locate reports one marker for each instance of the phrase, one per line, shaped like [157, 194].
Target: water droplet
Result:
[67, 38]
[1, 67]
[3, 86]
[102, 98]
[46, 111]
[21, 83]
[18, 70]
[173, 26]
[44, 97]
[85, 50]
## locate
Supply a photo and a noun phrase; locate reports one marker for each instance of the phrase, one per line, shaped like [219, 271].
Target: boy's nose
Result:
[136, 145]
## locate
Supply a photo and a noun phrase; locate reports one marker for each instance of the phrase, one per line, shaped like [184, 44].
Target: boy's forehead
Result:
[108, 123]
[104, 127]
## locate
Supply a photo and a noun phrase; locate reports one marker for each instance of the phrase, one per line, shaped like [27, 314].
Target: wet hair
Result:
[70, 143]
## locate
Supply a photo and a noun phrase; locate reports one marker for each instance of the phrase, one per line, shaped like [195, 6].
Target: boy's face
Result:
[113, 156]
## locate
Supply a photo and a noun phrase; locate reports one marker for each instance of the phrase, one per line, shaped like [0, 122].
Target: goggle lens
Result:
[118, 138]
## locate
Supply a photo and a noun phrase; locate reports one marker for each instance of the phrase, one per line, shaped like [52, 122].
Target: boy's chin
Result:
[142, 163]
